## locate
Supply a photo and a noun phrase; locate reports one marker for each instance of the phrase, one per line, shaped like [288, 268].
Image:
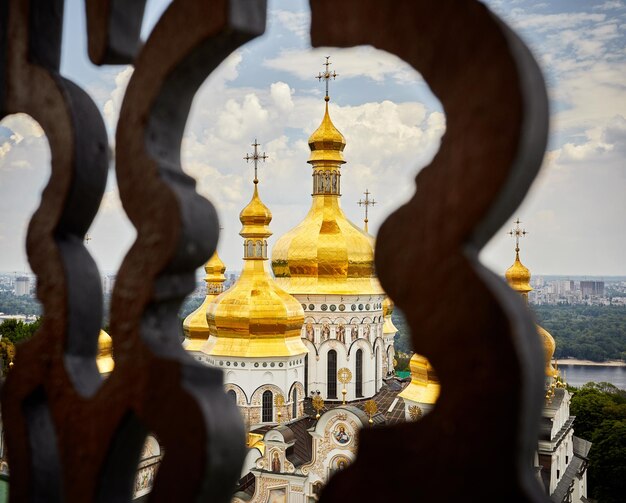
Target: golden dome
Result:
[104, 360]
[327, 143]
[195, 325]
[326, 253]
[255, 317]
[255, 217]
[424, 386]
[518, 276]
[388, 326]
[549, 346]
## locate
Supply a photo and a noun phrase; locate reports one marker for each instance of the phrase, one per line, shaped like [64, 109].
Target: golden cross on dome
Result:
[255, 157]
[87, 238]
[326, 75]
[367, 202]
[517, 232]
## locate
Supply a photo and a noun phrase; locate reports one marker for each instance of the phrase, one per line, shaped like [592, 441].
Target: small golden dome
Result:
[104, 360]
[327, 143]
[195, 325]
[255, 217]
[518, 276]
[215, 269]
[424, 386]
[255, 317]
[388, 326]
[549, 346]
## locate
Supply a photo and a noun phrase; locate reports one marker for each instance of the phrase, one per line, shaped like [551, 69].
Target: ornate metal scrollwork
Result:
[71, 437]
[464, 319]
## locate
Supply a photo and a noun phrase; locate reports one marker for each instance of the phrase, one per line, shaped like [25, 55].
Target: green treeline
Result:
[596, 333]
[600, 410]
[13, 332]
[11, 304]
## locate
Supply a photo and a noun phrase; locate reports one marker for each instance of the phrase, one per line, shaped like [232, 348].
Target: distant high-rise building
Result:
[592, 288]
[22, 286]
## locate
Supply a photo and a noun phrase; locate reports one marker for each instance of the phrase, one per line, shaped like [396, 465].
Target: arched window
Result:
[264, 249]
[294, 407]
[232, 395]
[259, 249]
[306, 375]
[331, 381]
[267, 414]
[250, 249]
[376, 364]
[359, 373]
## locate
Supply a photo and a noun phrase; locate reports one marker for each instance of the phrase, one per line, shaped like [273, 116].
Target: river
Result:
[577, 375]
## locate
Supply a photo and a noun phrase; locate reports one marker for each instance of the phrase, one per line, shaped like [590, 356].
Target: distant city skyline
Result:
[574, 213]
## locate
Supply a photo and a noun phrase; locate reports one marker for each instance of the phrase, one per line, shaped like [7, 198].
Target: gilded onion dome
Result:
[195, 325]
[104, 360]
[326, 253]
[424, 386]
[388, 326]
[518, 278]
[255, 317]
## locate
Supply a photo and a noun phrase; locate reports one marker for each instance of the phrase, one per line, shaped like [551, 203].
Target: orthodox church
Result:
[307, 351]
[306, 348]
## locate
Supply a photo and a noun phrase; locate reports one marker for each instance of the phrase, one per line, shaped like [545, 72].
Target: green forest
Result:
[11, 304]
[600, 410]
[596, 333]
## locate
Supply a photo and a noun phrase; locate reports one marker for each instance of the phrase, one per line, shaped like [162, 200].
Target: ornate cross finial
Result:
[517, 232]
[255, 157]
[87, 238]
[326, 75]
[367, 202]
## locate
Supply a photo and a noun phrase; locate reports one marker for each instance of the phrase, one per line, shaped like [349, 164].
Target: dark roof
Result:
[384, 398]
[562, 489]
[302, 450]
[246, 484]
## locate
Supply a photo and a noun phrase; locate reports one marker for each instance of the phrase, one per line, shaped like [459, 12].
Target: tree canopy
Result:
[600, 410]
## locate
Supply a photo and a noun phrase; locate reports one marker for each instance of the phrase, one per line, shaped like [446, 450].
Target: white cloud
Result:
[296, 22]
[111, 109]
[575, 209]
[365, 61]
[281, 94]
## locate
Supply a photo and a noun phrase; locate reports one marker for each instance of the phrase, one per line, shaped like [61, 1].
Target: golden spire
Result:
[255, 317]
[367, 202]
[518, 277]
[255, 158]
[195, 325]
[326, 253]
[326, 145]
[326, 76]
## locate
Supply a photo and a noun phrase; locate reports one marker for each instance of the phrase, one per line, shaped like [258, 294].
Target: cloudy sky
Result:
[575, 212]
